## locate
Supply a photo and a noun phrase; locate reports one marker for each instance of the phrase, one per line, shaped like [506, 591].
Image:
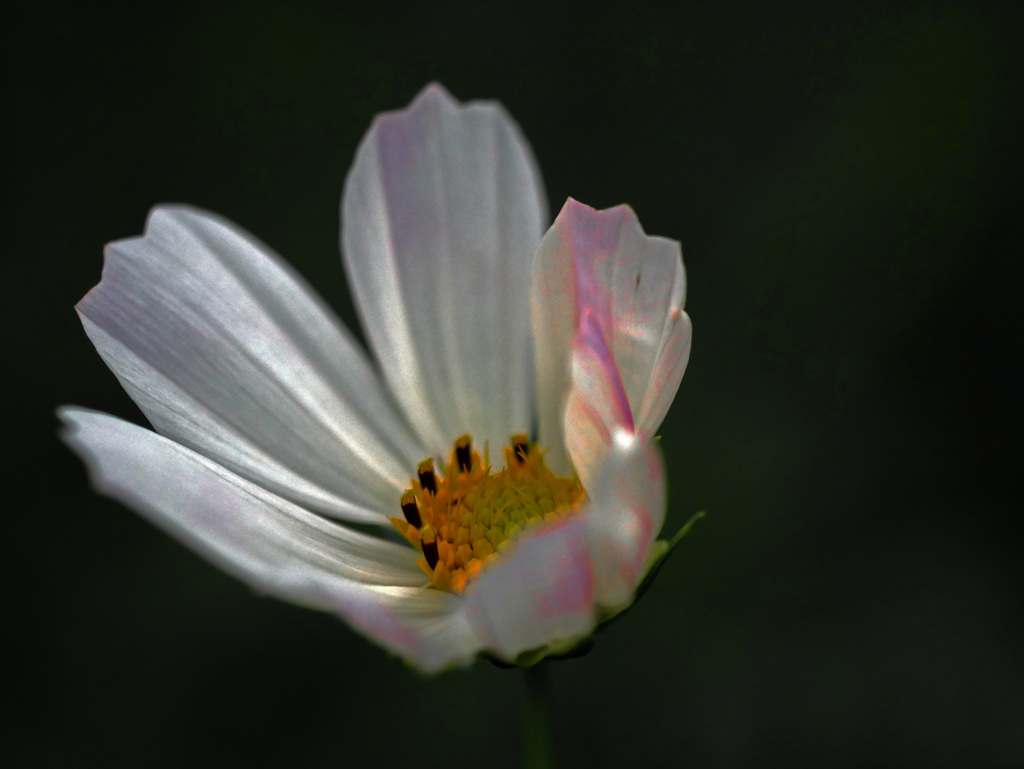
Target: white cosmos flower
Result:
[274, 429]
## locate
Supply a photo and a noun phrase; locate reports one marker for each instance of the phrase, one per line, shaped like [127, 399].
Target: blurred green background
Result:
[841, 178]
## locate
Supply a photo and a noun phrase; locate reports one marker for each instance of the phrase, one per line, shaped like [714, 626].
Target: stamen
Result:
[463, 444]
[427, 478]
[410, 510]
[428, 541]
[467, 516]
[521, 446]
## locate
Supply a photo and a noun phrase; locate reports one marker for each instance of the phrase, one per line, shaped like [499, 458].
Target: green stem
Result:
[537, 738]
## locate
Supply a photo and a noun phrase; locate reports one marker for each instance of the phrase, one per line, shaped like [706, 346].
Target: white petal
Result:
[601, 263]
[228, 351]
[273, 545]
[441, 216]
[541, 592]
[262, 539]
[626, 513]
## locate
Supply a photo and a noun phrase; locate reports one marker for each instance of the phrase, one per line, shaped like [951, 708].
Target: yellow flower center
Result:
[466, 518]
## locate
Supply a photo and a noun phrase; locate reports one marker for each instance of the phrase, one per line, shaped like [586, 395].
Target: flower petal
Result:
[601, 264]
[539, 593]
[596, 407]
[226, 350]
[626, 513]
[442, 213]
[271, 544]
[618, 466]
[266, 541]
[431, 632]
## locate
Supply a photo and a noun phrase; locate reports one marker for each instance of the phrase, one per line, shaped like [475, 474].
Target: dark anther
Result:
[410, 510]
[430, 552]
[427, 478]
[522, 449]
[463, 453]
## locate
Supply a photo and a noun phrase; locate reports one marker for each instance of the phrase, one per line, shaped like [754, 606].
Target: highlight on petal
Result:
[632, 286]
[626, 513]
[270, 543]
[596, 407]
[228, 351]
[442, 213]
[618, 466]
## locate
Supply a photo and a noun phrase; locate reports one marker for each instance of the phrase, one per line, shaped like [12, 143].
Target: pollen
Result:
[467, 516]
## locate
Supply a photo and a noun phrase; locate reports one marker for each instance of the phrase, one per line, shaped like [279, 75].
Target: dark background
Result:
[840, 176]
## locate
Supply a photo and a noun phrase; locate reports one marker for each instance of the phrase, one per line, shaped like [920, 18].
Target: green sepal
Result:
[659, 554]
[556, 651]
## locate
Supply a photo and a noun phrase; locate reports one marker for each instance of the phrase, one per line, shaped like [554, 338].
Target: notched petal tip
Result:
[578, 212]
[69, 421]
[433, 93]
[434, 90]
[443, 202]
[599, 267]
[195, 307]
[164, 216]
[162, 220]
[155, 221]
[604, 227]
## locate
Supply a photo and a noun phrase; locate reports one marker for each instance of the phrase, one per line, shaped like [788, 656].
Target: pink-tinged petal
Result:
[666, 374]
[227, 350]
[541, 592]
[596, 408]
[626, 513]
[601, 264]
[442, 213]
[620, 468]
[271, 544]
